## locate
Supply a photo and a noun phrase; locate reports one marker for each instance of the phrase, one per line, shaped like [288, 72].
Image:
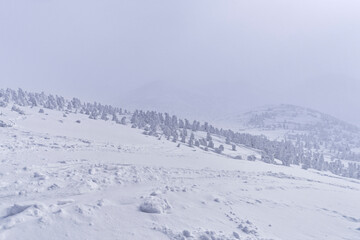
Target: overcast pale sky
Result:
[304, 52]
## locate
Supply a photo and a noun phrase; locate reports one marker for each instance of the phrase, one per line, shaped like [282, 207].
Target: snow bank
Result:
[154, 204]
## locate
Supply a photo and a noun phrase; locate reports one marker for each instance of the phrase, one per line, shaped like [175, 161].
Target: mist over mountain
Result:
[285, 116]
[210, 100]
[193, 99]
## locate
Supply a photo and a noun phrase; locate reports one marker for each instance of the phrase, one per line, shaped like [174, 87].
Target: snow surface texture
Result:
[71, 177]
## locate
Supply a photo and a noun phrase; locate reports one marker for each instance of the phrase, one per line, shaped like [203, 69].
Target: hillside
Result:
[315, 130]
[70, 176]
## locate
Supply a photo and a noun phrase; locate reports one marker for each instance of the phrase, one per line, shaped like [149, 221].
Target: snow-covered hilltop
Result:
[311, 129]
[74, 170]
[291, 117]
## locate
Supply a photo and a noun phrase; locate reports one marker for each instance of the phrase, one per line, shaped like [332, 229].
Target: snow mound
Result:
[16, 209]
[18, 214]
[30, 210]
[248, 228]
[154, 204]
[4, 124]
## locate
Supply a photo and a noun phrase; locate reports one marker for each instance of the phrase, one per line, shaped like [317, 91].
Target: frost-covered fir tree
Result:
[233, 147]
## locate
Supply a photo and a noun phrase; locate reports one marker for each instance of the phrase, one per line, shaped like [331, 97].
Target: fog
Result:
[210, 55]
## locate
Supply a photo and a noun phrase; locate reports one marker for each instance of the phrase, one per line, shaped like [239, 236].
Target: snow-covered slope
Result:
[65, 176]
[315, 130]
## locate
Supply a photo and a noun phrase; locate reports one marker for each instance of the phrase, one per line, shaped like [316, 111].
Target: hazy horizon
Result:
[231, 54]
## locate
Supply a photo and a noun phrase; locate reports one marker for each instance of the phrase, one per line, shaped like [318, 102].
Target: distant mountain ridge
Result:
[289, 117]
[316, 130]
